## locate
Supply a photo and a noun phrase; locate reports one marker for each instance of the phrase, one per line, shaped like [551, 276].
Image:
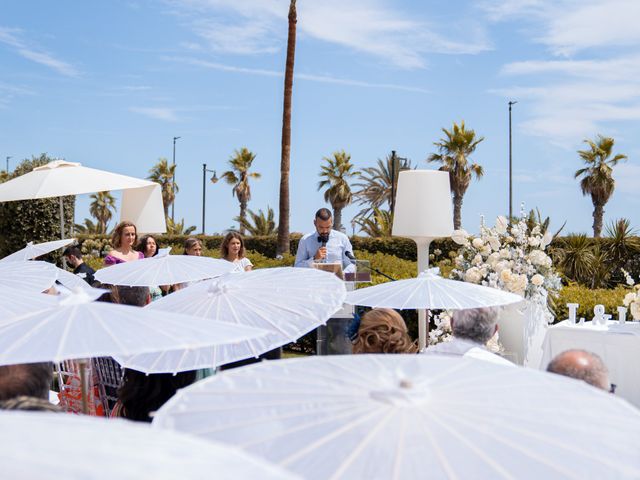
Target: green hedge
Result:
[588, 298]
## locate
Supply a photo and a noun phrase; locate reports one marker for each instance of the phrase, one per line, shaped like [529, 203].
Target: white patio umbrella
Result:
[412, 417]
[141, 199]
[33, 276]
[79, 328]
[71, 281]
[163, 270]
[55, 445]
[287, 302]
[35, 250]
[430, 291]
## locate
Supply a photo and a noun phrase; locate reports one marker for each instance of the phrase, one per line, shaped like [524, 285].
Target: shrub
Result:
[588, 298]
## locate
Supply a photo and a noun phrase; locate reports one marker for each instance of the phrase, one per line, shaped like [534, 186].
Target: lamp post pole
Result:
[173, 219]
[511, 103]
[214, 179]
[8, 164]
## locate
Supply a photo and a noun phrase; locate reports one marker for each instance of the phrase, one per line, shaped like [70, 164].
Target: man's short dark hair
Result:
[74, 251]
[135, 296]
[30, 379]
[323, 214]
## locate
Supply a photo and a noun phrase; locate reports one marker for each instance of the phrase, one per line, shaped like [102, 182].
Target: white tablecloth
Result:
[617, 345]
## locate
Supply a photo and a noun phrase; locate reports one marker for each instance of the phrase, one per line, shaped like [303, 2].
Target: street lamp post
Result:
[395, 169]
[511, 103]
[8, 164]
[173, 219]
[214, 179]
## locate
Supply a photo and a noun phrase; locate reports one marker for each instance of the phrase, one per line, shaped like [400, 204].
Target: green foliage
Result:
[259, 223]
[335, 177]
[87, 227]
[102, 208]
[379, 224]
[178, 228]
[239, 175]
[32, 220]
[164, 174]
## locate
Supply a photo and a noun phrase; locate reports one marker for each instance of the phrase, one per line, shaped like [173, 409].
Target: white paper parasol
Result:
[79, 328]
[35, 250]
[412, 417]
[15, 302]
[56, 445]
[163, 270]
[430, 291]
[33, 276]
[287, 302]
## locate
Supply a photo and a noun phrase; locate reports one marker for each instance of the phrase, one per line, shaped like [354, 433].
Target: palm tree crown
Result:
[163, 174]
[102, 208]
[335, 176]
[239, 176]
[453, 153]
[597, 177]
[261, 224]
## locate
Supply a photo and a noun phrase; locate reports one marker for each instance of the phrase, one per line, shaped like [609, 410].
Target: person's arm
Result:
[302, 256]
[248, 266]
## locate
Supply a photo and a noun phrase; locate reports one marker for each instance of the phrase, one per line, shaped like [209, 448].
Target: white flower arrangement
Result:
[511, 258]
[632, 299]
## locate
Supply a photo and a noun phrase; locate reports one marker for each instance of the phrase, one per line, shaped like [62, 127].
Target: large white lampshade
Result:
[423, 213]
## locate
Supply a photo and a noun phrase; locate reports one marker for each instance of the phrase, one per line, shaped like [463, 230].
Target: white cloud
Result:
[368, 26]
[298, 76]
[12, 38]
[157, 113]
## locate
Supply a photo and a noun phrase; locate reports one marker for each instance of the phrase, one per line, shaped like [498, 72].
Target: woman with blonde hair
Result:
[123, 239]
[232, 250]
[382, 330]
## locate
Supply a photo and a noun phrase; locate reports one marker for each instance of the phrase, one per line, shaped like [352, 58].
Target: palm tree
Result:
[376, 185]
[87, 227]
[379, 224]
[260, 224]
[239, 176]
[282, 243]
[102, 208]
[335, 175]
[453, 154]
[178, 228]
[163, 174]
[597, 179]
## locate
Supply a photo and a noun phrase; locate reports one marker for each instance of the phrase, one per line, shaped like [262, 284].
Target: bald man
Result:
[581, 365]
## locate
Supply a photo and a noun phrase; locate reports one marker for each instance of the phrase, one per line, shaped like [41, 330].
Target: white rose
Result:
[501, 265]
[486, 250]
[493, 259]
[505, 276]
[538, 257]
[628, 298]
[518, 284]
[534, 241]
[635, 310]
[477, 260]
[473, 275]
[477, 243]
[501, 225]
[461, 237]
[495, 243]
[537, 279]
[504, 253]
[535, 230]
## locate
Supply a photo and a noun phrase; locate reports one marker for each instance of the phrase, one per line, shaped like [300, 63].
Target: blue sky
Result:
[109, 84]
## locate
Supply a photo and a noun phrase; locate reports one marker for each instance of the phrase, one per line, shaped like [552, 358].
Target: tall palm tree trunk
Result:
[337, 218]
[457, 211]
[283, 213]
[243, 216]
[598, 213]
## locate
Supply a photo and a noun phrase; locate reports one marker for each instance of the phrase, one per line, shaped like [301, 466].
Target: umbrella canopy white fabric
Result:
[412, 417]
[80, 328]
[35, 250]
[54, 445]
[287, 302]
[15, 302]
[141, 199]
[71, 281]
[31, 276]
[430, 291]
[163, 270]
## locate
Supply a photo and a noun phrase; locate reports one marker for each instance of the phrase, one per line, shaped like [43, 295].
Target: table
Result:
[617, 345]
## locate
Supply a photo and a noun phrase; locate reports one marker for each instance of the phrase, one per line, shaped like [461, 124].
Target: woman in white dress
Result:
[232, 250]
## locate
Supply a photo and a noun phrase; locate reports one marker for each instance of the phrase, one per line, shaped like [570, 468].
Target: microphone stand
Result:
[375, 270]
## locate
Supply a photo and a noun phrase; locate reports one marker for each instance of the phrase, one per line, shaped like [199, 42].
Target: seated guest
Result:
[382, 330]
[582, 365]
[140, 395]
[148, 246]
[192, 246]
[232, 250]
[134, 296]
[33, 404]
[471, 330]
[74, 258]
[27, 379]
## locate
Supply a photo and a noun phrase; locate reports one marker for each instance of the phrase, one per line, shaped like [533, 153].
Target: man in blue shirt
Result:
[325, 244]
